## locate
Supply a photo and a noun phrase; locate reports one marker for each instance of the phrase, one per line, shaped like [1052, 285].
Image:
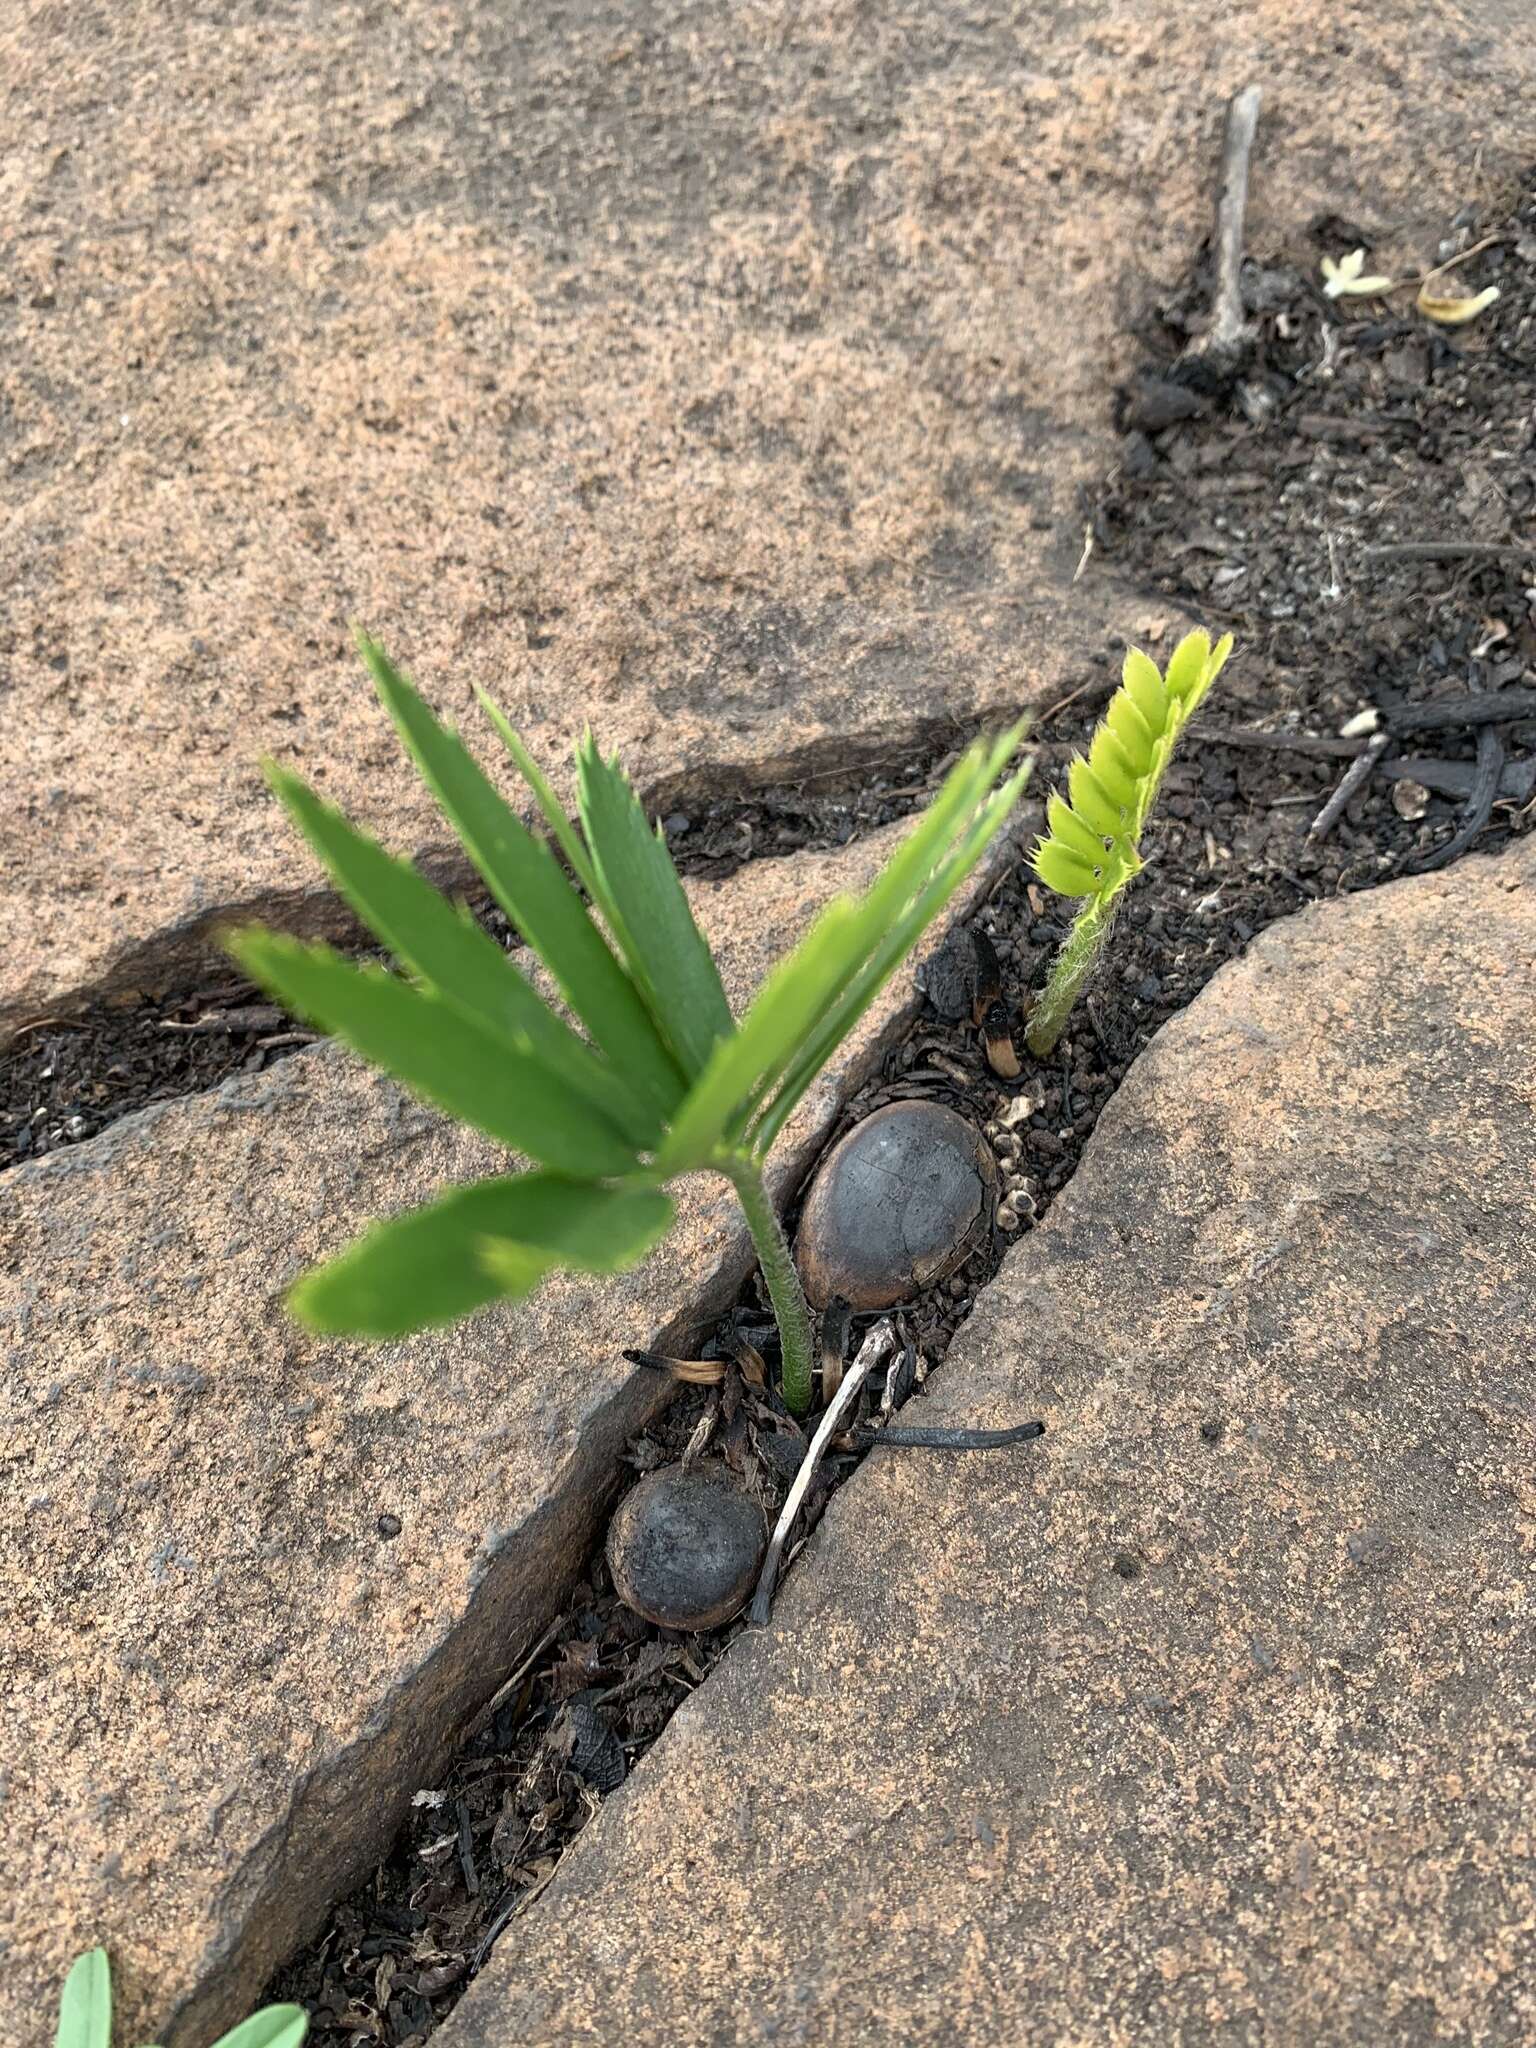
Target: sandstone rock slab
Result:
[1212, 1717]
[253, 1581]
[721, 374]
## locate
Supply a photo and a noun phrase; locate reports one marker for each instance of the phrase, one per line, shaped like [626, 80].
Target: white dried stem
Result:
[880, 1342]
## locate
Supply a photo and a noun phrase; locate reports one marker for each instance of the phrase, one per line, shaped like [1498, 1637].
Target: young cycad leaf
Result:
[425, 1266]
[1114, 769]
[440, 1053]
[1064, 870]
[473, 1037]
[448, 949]
[613, 1231]
[666, 954]
[965, 790]
[85, 2004]
[1111, 795]
[1215, 661]
[1187, 664]
[791, 1000]
[1073, 832]
[1093, 802]
[822, 978]
[1145, 688]
[275, 2026]
[899, 934]
[948, 818]
[527, 881]
[1135, 734]
[567, 838]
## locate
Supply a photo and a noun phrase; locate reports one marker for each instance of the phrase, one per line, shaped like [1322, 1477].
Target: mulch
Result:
[1360, 511]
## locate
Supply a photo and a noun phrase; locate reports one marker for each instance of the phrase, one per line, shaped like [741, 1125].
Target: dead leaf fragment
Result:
[1410, 799]
[1454, 312]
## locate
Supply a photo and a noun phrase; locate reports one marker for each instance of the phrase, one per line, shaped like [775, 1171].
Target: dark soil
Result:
[64, 1078]
[1350, 430]
[1358, 429]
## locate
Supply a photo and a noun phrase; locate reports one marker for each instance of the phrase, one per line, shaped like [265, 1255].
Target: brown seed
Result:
[684, 1548]
[895, 1207]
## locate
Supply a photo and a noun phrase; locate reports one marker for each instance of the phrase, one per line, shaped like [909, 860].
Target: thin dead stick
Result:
[1451, 262]
[1447, 551]
[1479, 807]
[880, 1341]
[1050, 711]
[72, 1023]
[515, 1906]
[923, 1439]
[253, 1017]
[1445, 714]
[1229, 328]
[520, 1671]
[1517, 781]
[1353, 780]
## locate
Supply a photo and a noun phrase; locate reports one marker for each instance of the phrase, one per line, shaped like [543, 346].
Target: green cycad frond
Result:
[1092, 843]
[648, 1076]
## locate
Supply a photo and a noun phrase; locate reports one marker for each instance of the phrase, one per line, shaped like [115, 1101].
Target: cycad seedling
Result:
[1092, 847]
[659, 1081]
[85, 2013]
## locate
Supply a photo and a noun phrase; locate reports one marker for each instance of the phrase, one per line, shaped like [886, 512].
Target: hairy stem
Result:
[784, 1290]
[1074, 963]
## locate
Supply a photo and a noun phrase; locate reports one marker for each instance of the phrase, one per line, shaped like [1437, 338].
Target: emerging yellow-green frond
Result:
[1092, 843]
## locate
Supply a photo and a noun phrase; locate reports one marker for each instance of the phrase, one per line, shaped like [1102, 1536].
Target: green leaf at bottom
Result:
[85, 2004]
[275, 2026]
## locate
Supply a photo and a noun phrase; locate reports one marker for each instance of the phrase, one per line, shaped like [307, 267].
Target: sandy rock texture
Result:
[223, 1674]
[726, 375]
[1211, 1718]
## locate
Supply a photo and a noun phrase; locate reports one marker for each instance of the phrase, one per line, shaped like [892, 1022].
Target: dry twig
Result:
[1446, 551]
[924, 1439]
[1479, 808]
[1353, 780]
[1446, 714]
[877, 1345]
[1224, 343]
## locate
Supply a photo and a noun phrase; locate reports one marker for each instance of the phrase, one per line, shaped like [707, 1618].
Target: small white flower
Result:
[1344, 277]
